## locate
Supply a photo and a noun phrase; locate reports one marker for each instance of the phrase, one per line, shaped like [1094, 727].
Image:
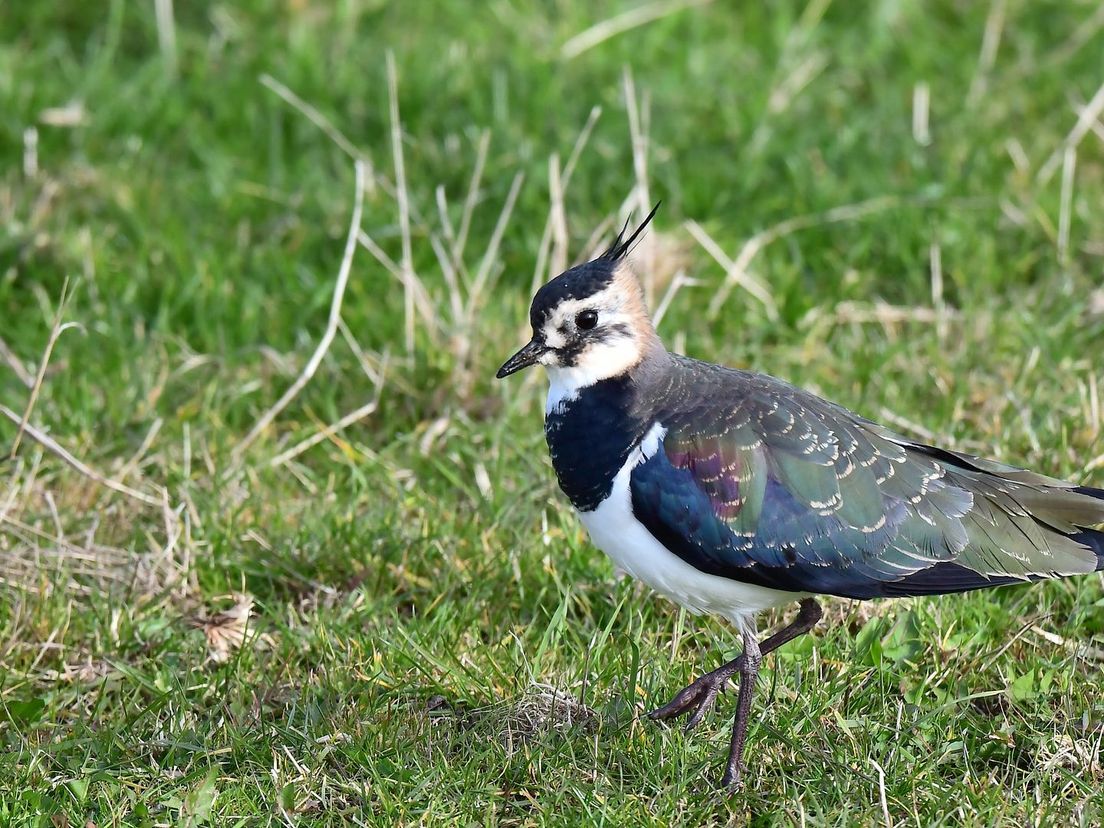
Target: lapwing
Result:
[732, 492]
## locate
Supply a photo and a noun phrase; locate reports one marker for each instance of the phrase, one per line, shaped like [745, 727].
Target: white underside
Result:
[615, 530]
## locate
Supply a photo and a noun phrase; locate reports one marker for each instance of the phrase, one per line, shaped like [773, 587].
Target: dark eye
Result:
[585, 320]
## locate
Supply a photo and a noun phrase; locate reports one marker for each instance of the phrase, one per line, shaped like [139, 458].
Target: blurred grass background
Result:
[917, 189]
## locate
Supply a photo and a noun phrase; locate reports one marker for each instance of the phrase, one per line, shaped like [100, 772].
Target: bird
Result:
[731, 492]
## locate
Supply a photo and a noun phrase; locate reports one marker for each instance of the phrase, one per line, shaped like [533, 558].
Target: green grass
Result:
[440, 650]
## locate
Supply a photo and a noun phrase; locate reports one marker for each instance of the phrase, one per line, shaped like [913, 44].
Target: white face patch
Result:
[613, 352]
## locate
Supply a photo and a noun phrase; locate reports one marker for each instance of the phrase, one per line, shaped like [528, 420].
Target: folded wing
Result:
[786, 490]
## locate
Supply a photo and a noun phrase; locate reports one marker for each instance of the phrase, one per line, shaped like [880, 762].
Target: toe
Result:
[679, 704]
[704, 704]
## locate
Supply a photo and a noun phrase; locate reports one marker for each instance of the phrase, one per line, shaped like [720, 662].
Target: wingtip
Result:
[1091, 491]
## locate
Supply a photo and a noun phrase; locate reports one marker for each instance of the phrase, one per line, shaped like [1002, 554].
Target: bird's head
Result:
[589, 323]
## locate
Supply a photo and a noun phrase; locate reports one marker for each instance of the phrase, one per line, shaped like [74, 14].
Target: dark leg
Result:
[701, 694]
[748, 675]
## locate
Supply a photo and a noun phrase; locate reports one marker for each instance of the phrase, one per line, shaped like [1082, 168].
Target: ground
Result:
[898, 205]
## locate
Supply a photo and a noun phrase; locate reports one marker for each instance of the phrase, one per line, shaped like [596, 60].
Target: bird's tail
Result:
[1093, 538]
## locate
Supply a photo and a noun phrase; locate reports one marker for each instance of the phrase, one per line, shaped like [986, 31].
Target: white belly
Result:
[615, 530]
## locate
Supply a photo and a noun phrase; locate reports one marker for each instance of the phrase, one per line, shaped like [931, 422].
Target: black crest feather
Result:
[620, 246]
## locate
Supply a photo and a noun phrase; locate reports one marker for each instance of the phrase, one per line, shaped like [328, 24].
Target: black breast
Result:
[590, 438]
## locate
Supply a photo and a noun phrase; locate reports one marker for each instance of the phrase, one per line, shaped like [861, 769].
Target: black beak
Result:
[522, 359]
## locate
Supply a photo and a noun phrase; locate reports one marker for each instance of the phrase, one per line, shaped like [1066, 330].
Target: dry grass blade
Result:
[1065, 210]
[541, 269]
[329, 431]
[56, 330]
[316, 118]
[312, 114]
[638, 115]
[882, 792]
[887, 315]
[403, 198]
[557, 195]
[472, 197]
[452, 281]
[1086, 117]
[1082, 35]
[465, 327]
[921, 103]
[598, 239]
[136, 458]
[482, 276]
[786, 92]
[48, 442]
[626, 21]
[580, 143]
[166, 34]
[558, 215]
[680, 281]
[1082, 649]
[1093, 415]
[409, 280]
[15, 364]
[1063, 751]
[1096, 302]
[737, 274]
[309, 369]
[990, 42]
[796, 67]
[30, 153]
[935, 259]
[67, 116]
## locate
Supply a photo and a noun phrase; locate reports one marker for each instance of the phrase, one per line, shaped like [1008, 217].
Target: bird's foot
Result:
[698, 697]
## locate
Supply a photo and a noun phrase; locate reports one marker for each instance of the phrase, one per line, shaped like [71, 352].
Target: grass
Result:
[433, 640]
